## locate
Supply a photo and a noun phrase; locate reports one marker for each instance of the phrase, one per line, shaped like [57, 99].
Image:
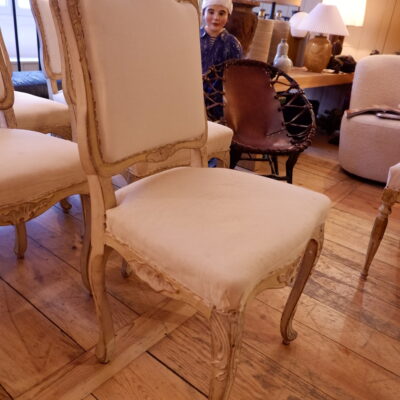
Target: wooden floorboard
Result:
[348, 345]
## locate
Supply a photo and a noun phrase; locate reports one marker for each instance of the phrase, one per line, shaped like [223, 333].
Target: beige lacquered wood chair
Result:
[33, 112]
[390, 195]
[36, 171]
[49, 49]
[211, 237]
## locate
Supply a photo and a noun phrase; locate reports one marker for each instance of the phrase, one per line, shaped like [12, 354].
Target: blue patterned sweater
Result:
[213, 52]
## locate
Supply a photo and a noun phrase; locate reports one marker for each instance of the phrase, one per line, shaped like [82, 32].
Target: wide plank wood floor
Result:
[348, 345]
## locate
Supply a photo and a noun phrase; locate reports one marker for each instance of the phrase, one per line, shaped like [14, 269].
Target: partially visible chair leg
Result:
[274, 160]
[389, 197]
[290, 163]
[85, 253]
[20, 240]
[65, 205]
[235, 157]
[226, 337]
[106, 344]
[306, 266]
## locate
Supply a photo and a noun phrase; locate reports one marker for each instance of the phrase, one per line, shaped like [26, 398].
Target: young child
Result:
[217, 44]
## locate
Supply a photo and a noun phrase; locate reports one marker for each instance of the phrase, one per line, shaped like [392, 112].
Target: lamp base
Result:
[317, 54]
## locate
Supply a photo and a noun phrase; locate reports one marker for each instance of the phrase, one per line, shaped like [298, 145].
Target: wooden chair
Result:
[267, 122]
[36, 171]
[35, 113]
[211, 237]
[49, 48]
[391, 195]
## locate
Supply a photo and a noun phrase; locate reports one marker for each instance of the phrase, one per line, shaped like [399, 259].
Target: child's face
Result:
[215, 18]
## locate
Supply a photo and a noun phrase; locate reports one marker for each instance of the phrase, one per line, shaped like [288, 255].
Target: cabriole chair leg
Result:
[226, 337]
[389, 197]
[20, 240]
[307, 263]
[106, 343]
[85, 252]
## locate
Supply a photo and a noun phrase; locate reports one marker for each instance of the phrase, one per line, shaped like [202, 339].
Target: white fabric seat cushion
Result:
[39, 114]
[216, 231]
[33, 164]
[219, 140]
[369, 146]
[393, 181]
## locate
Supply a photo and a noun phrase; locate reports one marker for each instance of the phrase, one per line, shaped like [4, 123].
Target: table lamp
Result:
[353, 14]
[352, 11]
[324, 19]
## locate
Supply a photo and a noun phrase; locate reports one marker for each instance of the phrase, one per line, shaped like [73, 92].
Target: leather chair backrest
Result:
[251, 106]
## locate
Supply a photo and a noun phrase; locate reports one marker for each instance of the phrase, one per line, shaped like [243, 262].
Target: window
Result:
[26, 30]
[24, 4]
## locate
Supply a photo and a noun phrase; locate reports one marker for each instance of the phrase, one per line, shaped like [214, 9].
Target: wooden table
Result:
[331, 90]
[307, 79]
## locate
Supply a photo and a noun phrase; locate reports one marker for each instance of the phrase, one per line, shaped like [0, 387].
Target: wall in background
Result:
[381, 28]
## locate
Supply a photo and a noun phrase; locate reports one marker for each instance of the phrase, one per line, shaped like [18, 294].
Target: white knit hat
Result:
[225, 3]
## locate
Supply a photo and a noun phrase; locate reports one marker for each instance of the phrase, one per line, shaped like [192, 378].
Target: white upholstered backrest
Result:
[6, 87]
[376, 82]
[47, 31]
[143, 71]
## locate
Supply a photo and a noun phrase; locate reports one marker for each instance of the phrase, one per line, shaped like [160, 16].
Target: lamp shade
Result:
[352, 11]
[295, 22]
[325, 19]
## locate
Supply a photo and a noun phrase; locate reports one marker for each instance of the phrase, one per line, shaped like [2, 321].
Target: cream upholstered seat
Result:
[33, 165]
[37, 171]
[49, 50]
[35, 113]
[370, 145]
[210, 247]
[218, 143]
[390, 195]
[32, 112]
[212, 238]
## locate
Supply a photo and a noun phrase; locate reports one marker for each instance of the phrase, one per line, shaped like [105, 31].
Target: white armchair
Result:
[369, 145]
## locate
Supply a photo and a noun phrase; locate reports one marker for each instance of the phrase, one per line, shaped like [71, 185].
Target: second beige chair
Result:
[36, 113]
[36, 171]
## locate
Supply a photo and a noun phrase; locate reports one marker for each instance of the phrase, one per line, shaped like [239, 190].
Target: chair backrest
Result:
[49, 49]
[136, 71]
[253, 109]
[376, 82]
[4, 54]
[7, 117]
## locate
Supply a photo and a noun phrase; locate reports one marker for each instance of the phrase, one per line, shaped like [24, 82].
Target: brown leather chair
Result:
[266, 109]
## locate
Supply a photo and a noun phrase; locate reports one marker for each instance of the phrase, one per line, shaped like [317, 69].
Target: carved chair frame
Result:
[226, 325]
